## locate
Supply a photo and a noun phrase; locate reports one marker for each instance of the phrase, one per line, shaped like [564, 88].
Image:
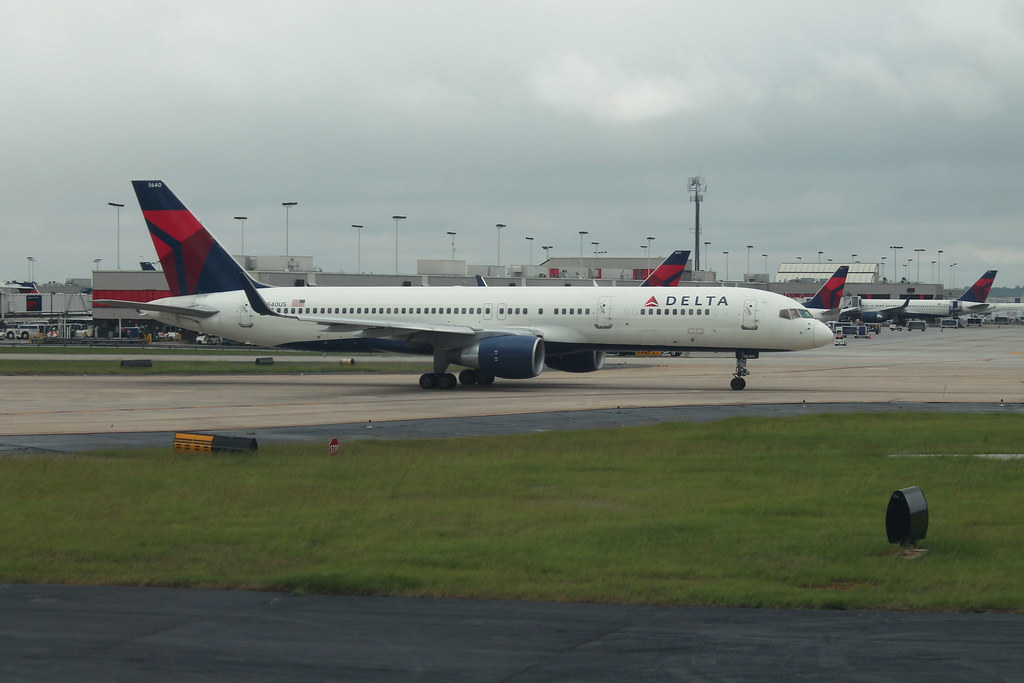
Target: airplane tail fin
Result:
[669, 272]
[831, 293]
[192, 259]
[978, 292]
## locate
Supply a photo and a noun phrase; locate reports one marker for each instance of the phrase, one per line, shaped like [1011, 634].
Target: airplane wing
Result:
[188, 311]
[882, 313]
[376, 328]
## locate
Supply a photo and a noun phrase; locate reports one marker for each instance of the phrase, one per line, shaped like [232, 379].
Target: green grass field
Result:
[786, 512]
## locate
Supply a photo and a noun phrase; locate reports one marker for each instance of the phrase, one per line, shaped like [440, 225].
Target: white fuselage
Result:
[923, 308]
[720, 318]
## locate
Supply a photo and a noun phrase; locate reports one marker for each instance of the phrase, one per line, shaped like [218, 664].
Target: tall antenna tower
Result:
[697, 189]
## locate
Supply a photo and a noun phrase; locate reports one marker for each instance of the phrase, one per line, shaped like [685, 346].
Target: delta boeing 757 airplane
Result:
[507, 332]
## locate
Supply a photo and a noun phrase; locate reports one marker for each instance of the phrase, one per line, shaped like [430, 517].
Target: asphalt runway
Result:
[89, 633]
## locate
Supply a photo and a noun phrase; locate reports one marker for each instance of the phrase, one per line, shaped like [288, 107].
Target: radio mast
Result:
[697, 189]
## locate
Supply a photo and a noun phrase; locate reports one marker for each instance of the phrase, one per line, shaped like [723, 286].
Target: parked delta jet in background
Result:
[669, 272]
[972, 301]
[826, 304]
[508, 332]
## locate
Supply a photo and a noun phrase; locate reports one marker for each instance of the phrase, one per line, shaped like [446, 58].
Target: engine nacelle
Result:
[511, 356]
[580, 361]
[872, 317]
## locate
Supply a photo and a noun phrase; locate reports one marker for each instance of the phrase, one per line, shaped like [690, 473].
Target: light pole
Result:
[819, 256]
[726, 266]
[952, 276]
[243, 219]
[396, 219]
[31, 260]
[749, 247]
[287, 250]
[530, 240]
[895, 265]
[359, 247]
[499, 226]
[547, 252]
[453, 243]
[647, 257]
[933, 271]
[765, 264]
[96, 263]
[650, 251]
[594, 244]
[853, 258]
[939, 267]
[918, 250]
[118, 207]
[582, 233]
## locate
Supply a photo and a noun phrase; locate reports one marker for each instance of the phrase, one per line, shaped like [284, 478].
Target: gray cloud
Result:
[840, 128]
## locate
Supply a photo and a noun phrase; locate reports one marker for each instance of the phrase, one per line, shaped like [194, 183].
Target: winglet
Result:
[256, 302]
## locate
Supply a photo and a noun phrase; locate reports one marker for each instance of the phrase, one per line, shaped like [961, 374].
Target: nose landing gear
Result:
[738, 383]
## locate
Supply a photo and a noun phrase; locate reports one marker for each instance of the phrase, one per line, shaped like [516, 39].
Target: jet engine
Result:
[580, 361]
[510, 356]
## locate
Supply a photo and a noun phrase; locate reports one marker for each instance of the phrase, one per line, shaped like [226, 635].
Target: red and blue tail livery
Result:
[978, 292]
[193, 261]
[669, 272]
[831, 293]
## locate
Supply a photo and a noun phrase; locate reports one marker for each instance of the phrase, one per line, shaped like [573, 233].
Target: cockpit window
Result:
[794, 313]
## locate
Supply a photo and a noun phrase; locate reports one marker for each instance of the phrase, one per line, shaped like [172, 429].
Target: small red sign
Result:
[335, 446]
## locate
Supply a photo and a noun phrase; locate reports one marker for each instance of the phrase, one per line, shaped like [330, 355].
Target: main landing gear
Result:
[440, 378]
[738, 383]
[446, 380]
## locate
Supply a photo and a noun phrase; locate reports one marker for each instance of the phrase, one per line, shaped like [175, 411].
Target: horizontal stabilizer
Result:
[190, 311]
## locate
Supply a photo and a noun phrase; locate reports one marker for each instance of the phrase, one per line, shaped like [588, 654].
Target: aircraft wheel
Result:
[428, 381]
[738, 383]
[467, 377]
[446, 380]
[484, 378]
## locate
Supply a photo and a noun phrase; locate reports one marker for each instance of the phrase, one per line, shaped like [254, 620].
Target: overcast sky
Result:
[844, 128]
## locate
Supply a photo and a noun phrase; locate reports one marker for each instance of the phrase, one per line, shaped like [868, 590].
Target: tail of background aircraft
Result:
[978, 292]
[193, 261]
[669, 272]
[831, 293]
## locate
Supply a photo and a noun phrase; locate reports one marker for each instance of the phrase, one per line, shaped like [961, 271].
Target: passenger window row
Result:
[675, 311]
[424, 310]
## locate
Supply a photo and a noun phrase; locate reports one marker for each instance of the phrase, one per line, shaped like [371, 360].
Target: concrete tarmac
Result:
[88, 633]
[970, 366]
[159, 634]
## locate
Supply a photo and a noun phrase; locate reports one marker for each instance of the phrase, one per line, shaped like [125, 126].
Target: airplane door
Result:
[604, 313]
[244, 315]
[749, 314]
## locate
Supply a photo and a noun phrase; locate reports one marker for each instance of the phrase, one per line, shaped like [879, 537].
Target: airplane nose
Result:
[821, 335]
